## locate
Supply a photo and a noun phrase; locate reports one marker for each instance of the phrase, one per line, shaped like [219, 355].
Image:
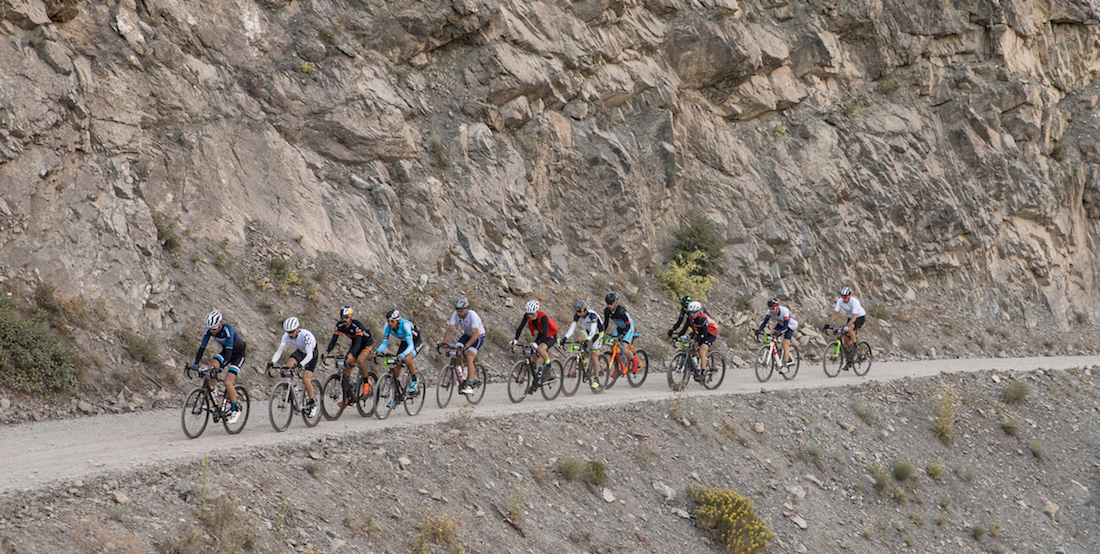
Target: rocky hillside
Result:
[272, 158]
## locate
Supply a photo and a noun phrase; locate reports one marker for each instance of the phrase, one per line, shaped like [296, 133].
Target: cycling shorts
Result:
[858, 323]
[404, 349]
[788, 334]
[548, 341]
[628, 335]
[595, 342]
[704, 338]
[477, 343]
[298, 355]
[233, 365]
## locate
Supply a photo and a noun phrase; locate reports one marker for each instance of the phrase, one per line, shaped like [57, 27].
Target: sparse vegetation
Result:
[878, 473]
[440, 158]
[934, 470]
[865, 411]
[461, 418]
[903, 470]
[594, 473]
[699, 235]
[780, 130]
[1058, 153]
[852, 108]
[1016, 392]
[946, 408]
[313, 468]
[307, 67]
[439, 529]
[570, 468]
[140, 348]
[1037, 449]
[1011, 426]
[683, 278]
[732, 517]
[166, 233]
[888, 86]
[878, 311]
[33, 358]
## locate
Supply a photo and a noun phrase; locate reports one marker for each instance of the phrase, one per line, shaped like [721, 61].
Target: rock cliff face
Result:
[914, 150]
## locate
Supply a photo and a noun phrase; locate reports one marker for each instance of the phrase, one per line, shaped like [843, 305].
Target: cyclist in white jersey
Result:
[857, 316]
[305, 355]
[785, 325]
[592, 332]
[472, 339]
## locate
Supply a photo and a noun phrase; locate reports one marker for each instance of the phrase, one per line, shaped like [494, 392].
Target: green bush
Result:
[1016, 392]
[166, 233]
[740, 530]
[695, 238]
[888, 86]
[570, 468]
[594, 472]
[140, 348]
[1058, 153]
[682, 279]
[32, 358]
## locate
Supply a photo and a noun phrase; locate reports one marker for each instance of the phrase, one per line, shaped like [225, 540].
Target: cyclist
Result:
[358, 353]
[403, 329]
[857, 316]
[305, 355]
[624, 326]
[472, 339]
[592, 333]
[683, 318]
[546, 335]
[785, 325]
[704, 331]
[230, 358]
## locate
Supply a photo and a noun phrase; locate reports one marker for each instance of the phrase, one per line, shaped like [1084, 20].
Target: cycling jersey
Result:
[357, 332]
[703, 324]
[404, 333]
[232, 344]
[624, 325]
[591, 322]
[540, 325]
[850, 307]
[469, 323]
[785, 322]
[683, 319]
[306, 343]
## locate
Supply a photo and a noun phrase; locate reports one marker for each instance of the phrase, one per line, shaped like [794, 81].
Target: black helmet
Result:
[773, 302]
[685, 301]
[579, 305]
[611, 298]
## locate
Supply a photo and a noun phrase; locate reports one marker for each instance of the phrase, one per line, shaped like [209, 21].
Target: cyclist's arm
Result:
[572, 328]
[332, 341]
[765, 322]
[202, 347]
[279, 352]
[447, 335]
[310, 344]
[520, 328]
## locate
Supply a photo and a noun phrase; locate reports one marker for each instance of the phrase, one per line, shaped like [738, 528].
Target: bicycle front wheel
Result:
[367, 389]
[862, 363]
[311, 421]
[387, 392]
[603, 372]
[478, 385]
[796, 362]
[551, 380]
[446, 387]
[245, 405]
[571, 376]
[833, 359]
[414, 400]
[519, 380]
[638, 377]
[677, 373]
[280, 407]
[332, 397]
[764, 364]
[196, 412]
[716, 370]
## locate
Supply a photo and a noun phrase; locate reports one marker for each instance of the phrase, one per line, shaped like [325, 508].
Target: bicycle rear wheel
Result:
[862, 362]
[311, 421]
[245, 406]
[833, 359]
[446, 387]
[332, 397]
[551, 380]
[638, 377]
[414, 401]
[571, 376]
[478, 385]
[280, 407]
[796, 360]
[603, 372]
[367, 390]
[678, 372]
[519, 380]
[716, 370]
[764, 364]
[387, 391]
[196, 412]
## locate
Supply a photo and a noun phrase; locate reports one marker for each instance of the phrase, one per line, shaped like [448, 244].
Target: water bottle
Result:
[404, 381]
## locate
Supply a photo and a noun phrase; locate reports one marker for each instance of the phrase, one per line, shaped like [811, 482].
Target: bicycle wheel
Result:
[716, 370]
[245, 405]
[196, 412]
[332, 397]
[614, 369]
[833, 359]
[311, 421]
[551, 380]
[678, 373]
[446, 387]
[518, 381]
[414, 401]
[603, 375]
[638, 377]
[280, 407]
[764, 364]
[478, 385]
[862, 363]
[571, 376]
[796, 358]
[368, 389]
[387, 390]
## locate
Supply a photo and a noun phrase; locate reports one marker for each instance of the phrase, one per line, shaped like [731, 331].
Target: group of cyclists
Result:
[587, 324]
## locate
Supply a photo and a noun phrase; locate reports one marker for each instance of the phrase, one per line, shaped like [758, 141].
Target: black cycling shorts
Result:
[704, 338]
[548, 341]
[298, 355]
[858, 323]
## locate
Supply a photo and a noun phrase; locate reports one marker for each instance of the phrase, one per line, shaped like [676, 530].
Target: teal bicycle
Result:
[838, 357]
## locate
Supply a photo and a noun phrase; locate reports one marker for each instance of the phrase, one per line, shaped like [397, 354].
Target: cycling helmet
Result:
[685, 301]
[214, 319]
[695, 307]
[462, 303]
[773, 302]
[290, 324]
[531, 307]
[611, 298]
[579, 305]
[346, 311]
[393, 315]
[845, 291]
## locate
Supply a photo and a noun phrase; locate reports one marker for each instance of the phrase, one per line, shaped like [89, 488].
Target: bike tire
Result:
[368, 401]
[280, 407]
[614, 369]
[414, 401]
[196, 412]
[764, 364]
[519, 379]
[603, 373]
[678, 373]
[638, 377]
[796, 357]
[551, 380]
[862, 364]
[387, 388]
[833, 359]
[593, 375]
[332, 397]
[571, 376]
[311, 421]
[716, 370]
[246, 408]
[446, 387]
[481, 382]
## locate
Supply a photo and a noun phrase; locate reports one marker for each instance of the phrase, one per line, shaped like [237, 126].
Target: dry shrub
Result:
[733, 517]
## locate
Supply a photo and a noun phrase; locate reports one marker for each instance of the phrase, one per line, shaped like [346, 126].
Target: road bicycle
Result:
[362, 392]
[452, 374]
[521, 381]
[685, 364]
[618, 363]
[769, 358]
[394, 390]
[288, 397]
[838, 357]
[206, 402]
[578, 369]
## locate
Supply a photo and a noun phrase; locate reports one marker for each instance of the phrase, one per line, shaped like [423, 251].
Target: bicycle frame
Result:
[221, 410]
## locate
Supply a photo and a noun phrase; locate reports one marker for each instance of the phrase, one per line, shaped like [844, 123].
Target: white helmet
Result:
[531, 307]
[695, 307]
[214, 319]
[290, 324]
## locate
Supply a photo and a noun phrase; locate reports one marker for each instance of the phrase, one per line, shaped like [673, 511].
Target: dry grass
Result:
[438, 529]
[1016, 392]
[570, 468]
[946, 407]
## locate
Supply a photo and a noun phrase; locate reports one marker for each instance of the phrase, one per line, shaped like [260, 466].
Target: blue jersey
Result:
[403, 332]
[227, 337]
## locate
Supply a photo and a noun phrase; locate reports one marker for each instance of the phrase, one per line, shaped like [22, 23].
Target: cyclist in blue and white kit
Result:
[472, 339]
[406, 349]
[230, 358]
[857, 316]
[785, 325]
[624, 326]
[591, 331]
[305, 355]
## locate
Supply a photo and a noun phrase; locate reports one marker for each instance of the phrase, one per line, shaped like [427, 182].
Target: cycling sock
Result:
[234, 406]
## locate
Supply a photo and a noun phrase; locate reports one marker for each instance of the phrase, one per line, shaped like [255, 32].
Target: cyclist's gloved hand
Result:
[670, 333]
[460, 345]
[270, 365]
[825, 327]
[535, 345]
[194, 367]
[514, 342]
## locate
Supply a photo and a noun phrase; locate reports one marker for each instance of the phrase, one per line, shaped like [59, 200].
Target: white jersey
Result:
[591, 321]
[850, 307]
[305, 342]
[784, 320]
[469, 323]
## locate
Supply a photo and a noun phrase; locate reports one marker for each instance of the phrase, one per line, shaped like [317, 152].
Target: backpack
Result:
[418, 342]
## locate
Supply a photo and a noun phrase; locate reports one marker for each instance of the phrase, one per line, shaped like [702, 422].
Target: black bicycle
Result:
[361, 392]
[525, 378]
[837, 357]
[288, 397]
[578, 368]
[452, 374]
[206, 402]
[685, 364]
[394, 390]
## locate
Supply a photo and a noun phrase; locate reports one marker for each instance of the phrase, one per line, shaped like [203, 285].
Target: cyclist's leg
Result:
[703, 348]
[230, 392]
[856, 326]
[787, 345]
